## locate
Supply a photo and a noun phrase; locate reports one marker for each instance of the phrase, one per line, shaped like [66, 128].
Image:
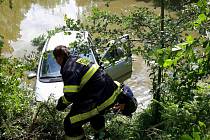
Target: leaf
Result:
[182, 45]
[186, 137]
[202, 17]
[207, 50]
[202, 4]
[160, 61]
[196, 136]
[190, 39]
[65, 18]
[159, 51]
[167, 63]
[205, 43]
[201, 124]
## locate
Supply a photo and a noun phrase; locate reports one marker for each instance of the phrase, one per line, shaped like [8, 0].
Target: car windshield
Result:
[50, 68]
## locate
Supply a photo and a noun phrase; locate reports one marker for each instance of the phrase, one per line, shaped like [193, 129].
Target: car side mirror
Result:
[31, 74]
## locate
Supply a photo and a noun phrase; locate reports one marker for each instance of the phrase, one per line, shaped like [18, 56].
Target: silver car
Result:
[48, 77]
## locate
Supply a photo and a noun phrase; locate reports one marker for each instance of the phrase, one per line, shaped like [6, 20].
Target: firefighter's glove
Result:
[60, 105]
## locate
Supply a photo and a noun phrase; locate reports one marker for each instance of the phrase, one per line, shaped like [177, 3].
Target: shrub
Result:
[15, 98]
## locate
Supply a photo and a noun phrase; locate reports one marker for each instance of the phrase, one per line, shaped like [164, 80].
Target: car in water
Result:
[48, 77]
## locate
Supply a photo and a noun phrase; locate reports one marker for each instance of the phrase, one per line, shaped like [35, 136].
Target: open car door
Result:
[117, 59]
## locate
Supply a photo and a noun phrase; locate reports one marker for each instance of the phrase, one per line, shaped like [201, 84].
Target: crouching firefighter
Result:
[89, 90]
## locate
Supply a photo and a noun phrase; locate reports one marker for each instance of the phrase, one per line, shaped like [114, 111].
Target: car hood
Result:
[45, 90]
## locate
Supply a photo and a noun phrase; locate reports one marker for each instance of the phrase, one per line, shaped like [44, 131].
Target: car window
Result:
[114, 54]
[83, 52]
[49, 66]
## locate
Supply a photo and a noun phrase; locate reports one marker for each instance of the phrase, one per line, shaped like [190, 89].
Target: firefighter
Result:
[88, 89]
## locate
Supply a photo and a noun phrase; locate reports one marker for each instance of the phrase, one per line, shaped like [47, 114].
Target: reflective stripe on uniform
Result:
[71, 88]
[95, 111]
[83, 61]
[111, 99]
[84, 80]
[65, 101]
[88, 75]
[83, 116]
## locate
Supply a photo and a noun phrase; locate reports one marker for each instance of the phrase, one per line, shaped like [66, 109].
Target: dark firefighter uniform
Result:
[90, 90]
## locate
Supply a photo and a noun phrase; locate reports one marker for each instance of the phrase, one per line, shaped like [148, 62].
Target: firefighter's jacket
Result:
[89, 88]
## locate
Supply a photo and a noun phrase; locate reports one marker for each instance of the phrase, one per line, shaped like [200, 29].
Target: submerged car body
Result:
[49, 80]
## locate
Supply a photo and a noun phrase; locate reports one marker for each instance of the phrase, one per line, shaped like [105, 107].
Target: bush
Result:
[47, 122]
[15, 98]
[20, 117]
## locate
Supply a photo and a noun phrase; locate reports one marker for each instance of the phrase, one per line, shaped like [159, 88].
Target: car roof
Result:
[64, 38]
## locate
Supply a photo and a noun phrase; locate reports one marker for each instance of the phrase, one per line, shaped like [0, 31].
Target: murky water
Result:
[30, 18]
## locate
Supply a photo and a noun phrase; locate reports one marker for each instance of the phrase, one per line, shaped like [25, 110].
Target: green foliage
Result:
[184, 64]
[41, 40]
[104, 26]
[119, 127]
[20, 117]
[10, 3]
[47, 122]
[193, 116]
[143, 127]
[15, 98]
[71, 24]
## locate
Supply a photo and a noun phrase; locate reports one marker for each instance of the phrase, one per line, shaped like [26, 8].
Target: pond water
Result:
[29, 18]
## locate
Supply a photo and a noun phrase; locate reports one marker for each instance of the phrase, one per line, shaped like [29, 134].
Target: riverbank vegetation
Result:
[179, 71]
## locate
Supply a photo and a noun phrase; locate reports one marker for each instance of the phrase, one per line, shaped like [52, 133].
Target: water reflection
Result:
[39, 19]
[10, 19]
[49, 3]
[83, 3]
[29, 18]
